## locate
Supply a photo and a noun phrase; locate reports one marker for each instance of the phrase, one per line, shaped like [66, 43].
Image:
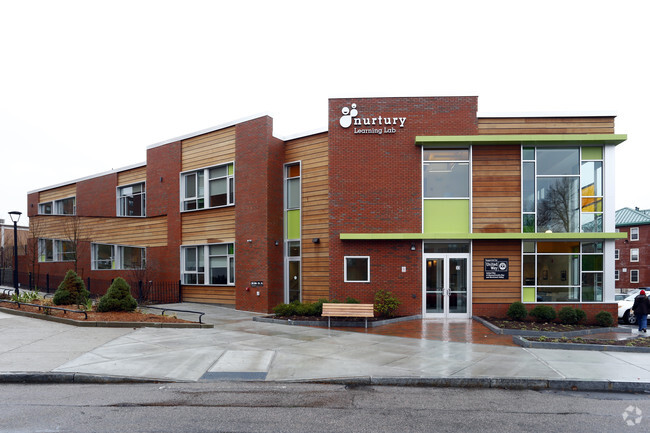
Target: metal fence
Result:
[151, 292]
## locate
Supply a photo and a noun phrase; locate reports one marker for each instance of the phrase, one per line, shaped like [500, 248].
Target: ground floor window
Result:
[357, 269]
[220, 261]
[562, 271]
[108, 256]
[55, 250]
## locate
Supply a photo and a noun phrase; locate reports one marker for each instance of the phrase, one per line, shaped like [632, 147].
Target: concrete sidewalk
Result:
[237, 348]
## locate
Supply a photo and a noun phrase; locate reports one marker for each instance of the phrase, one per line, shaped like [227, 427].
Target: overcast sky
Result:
[86, 86]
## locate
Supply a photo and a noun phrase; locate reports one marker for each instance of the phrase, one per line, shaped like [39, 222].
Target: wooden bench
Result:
[348, 310]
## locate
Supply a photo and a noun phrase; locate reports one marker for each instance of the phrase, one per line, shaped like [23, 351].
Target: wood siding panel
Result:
[132, 176]
[496, 291]
[312, 152]
[496, 189]
[141, 232]
[210, 149]
[58, 193]
[208, 294]
[208, 226]
[546, 125]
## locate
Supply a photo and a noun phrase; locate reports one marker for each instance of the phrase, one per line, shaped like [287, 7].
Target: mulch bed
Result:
[633, 341]
[94, 316]
[639, 341]
[528, 325]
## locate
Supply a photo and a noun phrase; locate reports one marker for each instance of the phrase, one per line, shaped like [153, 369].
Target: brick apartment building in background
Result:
[632, 255]
[454, 212]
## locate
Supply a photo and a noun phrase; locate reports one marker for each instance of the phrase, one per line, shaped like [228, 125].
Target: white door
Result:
[445, 286]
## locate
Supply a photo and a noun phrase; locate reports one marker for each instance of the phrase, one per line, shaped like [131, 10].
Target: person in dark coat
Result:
[641, 307]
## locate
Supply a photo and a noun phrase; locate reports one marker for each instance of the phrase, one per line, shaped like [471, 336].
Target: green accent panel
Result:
[528, 139]
[529, 294]
[446, 216]
[293, 224]
[592, 152]
[482, 236]
[231, 169]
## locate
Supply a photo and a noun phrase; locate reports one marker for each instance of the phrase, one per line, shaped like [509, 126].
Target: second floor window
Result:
[209, 187]
[65, 206]
[131, 200]
[634, 234]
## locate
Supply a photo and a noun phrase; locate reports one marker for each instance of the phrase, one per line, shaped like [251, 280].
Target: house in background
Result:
[632, 254]
[7, 249]
[454, 212]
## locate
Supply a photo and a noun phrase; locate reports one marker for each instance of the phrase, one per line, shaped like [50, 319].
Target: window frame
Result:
[203, 253]
[116, 258]
[204, 173]
[58, 252]
[55, 204]
[634, 252]
[617, 254]
[345, 269]
[634, 234]
[142, 195]
[617, 275]
[634, 272]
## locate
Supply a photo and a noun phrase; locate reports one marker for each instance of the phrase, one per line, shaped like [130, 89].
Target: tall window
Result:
[65, 206]
[563, 271]
[634, 254]
[617, 254]
[131, 200]
[292, 186]
[55, 250]
[220, 260]
[634, 276]
[562, 189]
[634, 233]
[616, 275]
[445, 173]
[218, 182]
[108, 256]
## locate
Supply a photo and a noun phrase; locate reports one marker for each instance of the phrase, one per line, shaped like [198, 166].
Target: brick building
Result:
[455, 213]
[632, 254]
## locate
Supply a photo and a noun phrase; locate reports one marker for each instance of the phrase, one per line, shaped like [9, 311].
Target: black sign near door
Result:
[495, 269]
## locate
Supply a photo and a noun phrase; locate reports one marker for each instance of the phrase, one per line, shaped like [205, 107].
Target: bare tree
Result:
[79, 235]
[35, 233]
[558, 211]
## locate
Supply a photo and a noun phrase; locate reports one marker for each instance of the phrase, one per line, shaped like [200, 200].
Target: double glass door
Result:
[445, 285]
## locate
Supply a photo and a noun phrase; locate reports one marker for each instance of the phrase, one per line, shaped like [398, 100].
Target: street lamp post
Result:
[15, 216]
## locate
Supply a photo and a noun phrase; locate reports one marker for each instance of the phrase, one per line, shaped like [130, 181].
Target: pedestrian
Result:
[641, 308]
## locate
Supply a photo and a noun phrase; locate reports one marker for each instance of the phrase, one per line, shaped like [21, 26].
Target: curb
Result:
[553, 334]
[534, 384]
[335, 323]
[497, 383]
[67, 377]
[521, 341]
[94, 324]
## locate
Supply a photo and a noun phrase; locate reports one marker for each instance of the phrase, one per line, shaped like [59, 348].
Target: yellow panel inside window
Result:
[293, 224]
[592, 204]
[529, 294]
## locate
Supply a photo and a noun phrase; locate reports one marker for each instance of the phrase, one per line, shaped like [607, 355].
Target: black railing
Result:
[149, 292]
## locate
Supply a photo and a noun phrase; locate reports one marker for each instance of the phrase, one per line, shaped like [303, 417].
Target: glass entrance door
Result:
[445, 285]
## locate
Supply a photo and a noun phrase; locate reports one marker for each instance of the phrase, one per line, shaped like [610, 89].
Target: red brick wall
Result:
[643, 265]
[258, 213]
[376, 187]
[163, 198]
[499, 310]
[32, 204]
[97, 196]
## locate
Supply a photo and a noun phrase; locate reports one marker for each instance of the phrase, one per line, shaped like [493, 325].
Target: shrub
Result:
[283, 310]
[581, 316]
[543, 313]
[72, 290]
[567, 315]
[385, 303]
[517, 311]
[351, 300]
[117, 298]
[605, 319]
